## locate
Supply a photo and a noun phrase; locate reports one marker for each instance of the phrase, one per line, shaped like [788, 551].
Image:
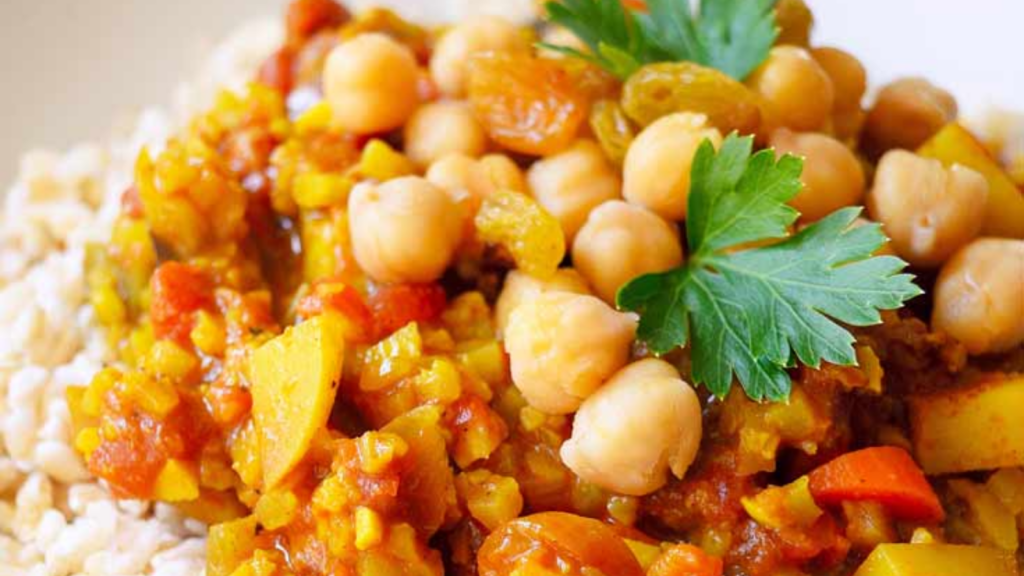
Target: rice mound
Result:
[55, 519]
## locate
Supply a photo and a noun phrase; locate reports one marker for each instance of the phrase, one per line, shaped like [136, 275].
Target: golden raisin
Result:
[614, 131]
[533, 237]
[657, 90]
[526, 104]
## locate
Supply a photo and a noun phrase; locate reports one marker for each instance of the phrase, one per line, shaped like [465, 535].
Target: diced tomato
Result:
[227, 404]
[340, 297]
[277, 72]
[178, 291]
[306, 17]
[685, 560]
[638, 5]
[883, 474]
[396, 305]
[131, 203]
[248, 150]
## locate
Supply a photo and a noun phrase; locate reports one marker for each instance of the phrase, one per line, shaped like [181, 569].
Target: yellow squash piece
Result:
[177, 482]
[937, 560]
[229, 545]
[295, 378]
[974, 428]
[429, 485]
[955, 145]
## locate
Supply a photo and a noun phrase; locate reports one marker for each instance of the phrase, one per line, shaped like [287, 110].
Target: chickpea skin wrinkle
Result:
[442, 128]
[979, 296]
[405, 230]
[520, 287]
[621, 241]
[627, 436]
[656, 171]
[562, 347]
[571, 183]
[796, 87]
[370, 83]
[454, 49]
[832, 177]
[928, 211]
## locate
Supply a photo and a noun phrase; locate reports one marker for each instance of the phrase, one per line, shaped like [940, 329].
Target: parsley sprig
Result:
[756, 311]
[733, 36]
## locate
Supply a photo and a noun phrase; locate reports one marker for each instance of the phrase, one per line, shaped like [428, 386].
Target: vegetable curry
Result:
[591, 298]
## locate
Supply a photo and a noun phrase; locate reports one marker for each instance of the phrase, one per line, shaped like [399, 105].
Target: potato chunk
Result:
[295, 377]
[975, 428]
[937, 560]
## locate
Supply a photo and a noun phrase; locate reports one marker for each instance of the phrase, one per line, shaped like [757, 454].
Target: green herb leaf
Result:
[754, 312]
[616, 41]
[733, 36]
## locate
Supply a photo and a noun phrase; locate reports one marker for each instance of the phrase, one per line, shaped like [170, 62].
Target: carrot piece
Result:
[883, 474]
[637, 5]
[685, 560]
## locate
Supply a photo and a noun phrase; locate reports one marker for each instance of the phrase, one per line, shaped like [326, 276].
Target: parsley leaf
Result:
[616, 41]
[756, 311]
[733, 36]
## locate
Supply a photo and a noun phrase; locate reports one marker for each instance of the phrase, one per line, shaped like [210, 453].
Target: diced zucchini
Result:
[974, 428]
[937, 560]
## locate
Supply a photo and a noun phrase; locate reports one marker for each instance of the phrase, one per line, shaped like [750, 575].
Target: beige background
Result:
[71, 67]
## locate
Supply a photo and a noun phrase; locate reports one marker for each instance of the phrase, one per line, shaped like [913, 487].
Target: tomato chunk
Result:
[884, 474]
[178, 290]
[276, 71]
[396, 305]
[526, 104]
[340, 297]
[306, 17]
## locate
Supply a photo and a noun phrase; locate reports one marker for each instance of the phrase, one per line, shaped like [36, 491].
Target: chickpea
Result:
[849, 78]
[621, 241]
[503, 173]
[928, 211]
[656, 171]
[520, 287]
[443, 128]
[627, 436]
[979, 296]
[833, 177]
[473, 36]
[796, 87]
[906, 113]
[571, 183]
[405, 230]
[464, 177]
[370, 82]
[562, 347]
[795, 22]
